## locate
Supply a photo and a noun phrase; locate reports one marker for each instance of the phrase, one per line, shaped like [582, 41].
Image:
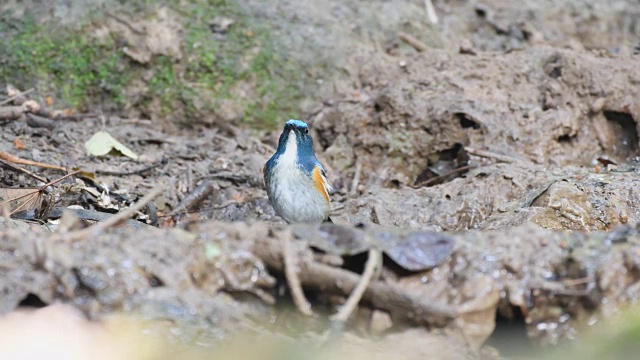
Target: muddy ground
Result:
[512, 129]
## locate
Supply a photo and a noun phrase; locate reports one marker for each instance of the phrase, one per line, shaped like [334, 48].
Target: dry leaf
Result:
[102, 143]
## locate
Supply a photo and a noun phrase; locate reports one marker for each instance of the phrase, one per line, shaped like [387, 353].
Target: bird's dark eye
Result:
[306, 131]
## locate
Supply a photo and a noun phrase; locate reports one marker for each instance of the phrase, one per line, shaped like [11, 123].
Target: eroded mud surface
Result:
[544, 100]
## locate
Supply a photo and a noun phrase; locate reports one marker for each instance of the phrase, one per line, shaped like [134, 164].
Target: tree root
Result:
[400, 303]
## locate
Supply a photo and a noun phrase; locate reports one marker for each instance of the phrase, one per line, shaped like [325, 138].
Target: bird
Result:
[295, 180]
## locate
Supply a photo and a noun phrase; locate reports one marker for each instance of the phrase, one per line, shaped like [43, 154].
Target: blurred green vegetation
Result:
[616, 337]
[81, 71]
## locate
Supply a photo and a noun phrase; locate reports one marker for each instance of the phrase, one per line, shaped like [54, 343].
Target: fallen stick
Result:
[82, 214]
[373, 262]
[491, 155]
[74, 117]
[133, 172]
[356, 178]
[16, 168]
[441, 177]
[41, 188]
[431, 12]
[413, 42]
[16, 160]
[10, 112]
[114, 220]
[200, 193]
[13, 95]
[399, 302]
[290, 262]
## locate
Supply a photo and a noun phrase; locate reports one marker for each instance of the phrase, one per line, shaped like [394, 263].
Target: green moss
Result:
[222, 63]
[82, 71]
[61, 63]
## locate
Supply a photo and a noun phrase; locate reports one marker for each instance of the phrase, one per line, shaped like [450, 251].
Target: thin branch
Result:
[195, 197]
[11, 112]
[356, 178]
[23, 170]
[41, 188]
[431, 12]
[491, 155]
[133, 172]
[52, 182]
[11, 98]
[413, 42]
[373, 262]
[119, 217]
[290, 270]
[443, 176]
[392, 298]
[16, 160]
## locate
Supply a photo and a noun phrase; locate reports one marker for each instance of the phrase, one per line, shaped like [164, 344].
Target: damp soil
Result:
[532, 111]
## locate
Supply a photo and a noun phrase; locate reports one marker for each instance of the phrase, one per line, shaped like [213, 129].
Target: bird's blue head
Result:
[295, 146]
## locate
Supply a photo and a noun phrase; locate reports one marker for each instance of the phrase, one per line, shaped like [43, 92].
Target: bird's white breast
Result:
[292, 191]
[288, 158]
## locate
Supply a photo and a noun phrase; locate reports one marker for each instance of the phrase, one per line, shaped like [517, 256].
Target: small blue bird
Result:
[295, 180]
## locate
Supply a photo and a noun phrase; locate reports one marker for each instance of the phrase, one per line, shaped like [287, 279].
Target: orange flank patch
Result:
[318, 181]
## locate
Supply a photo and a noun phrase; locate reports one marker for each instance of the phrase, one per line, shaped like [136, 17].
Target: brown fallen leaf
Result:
[14, 200]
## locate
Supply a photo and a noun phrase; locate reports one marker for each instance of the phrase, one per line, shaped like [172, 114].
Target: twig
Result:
[356, 178]
[431, 12]
[397, 301]
[576, 282]
[491, 155]
[24, 204]
[217, 207]
[15, 96]
[189, 176]
[443, 176]
[11, 112]
[75, 117]
[21, 169]
[267, 148]
[235, 179]
[117, 218]
[290, 270]
[16, 160]
[200, 193]
[133, 172]
[413, 42]
[138, 29]
[373, 261]
[41, 188]
[82, 214]
[52, 182]
[555, 287]
[37, 192]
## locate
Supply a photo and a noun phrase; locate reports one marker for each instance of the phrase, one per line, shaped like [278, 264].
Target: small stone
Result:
[380, 322]
[466, 47]
[598, 105]
[221, 24]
